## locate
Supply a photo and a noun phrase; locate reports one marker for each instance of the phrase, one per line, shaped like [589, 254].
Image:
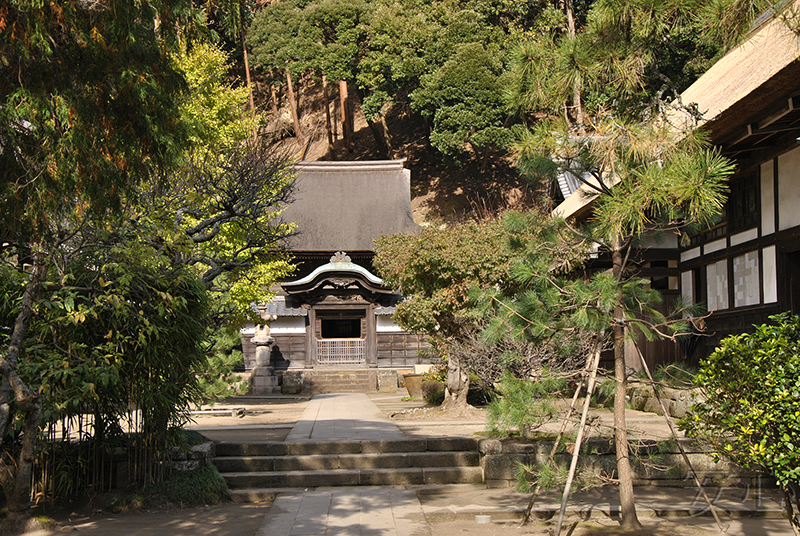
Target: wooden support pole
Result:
[527, 515]
[721, 527]
[577, 450]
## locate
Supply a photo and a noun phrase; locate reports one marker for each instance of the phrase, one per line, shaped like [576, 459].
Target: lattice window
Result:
[341, 351]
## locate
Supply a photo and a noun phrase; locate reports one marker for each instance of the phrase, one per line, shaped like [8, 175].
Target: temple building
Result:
[747, 266]
[330, 327]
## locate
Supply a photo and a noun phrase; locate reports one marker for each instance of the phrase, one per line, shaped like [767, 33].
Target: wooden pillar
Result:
[311, 339]
[372, 338]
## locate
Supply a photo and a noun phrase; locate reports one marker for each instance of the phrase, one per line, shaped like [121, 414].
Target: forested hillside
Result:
[452, 85]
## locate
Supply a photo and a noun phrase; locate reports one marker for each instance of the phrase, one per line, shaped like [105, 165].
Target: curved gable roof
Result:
[339, 273]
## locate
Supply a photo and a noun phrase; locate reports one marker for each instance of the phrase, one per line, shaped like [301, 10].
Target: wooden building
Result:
[330, 327]
[747, 267]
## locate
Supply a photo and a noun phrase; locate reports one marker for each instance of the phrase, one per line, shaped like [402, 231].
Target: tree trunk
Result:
[274, 96]
[327, 113]
[293, 107]
[577, 105]
[624, 473]
[15, 478]
[247, 76]
[386, 136]
[380, 130]
[455, 394]
[347, 116]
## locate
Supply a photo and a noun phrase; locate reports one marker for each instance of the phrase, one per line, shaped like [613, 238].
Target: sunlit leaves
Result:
[751, 412]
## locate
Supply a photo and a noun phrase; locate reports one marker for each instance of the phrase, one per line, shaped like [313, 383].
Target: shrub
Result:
[183, 489]
[524, 405]
[433, 392]
[751, 413]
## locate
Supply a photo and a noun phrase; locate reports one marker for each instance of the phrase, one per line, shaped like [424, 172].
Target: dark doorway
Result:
[793, 281]
[341, 328]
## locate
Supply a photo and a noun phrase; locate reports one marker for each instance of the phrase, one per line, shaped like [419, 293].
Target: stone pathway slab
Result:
[342, 416]
[346, 512]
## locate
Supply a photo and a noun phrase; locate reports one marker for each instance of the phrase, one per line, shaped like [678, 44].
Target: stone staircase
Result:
[320, 381]
[257, 471]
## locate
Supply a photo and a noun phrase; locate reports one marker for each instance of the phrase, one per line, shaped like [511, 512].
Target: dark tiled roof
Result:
[279, 307]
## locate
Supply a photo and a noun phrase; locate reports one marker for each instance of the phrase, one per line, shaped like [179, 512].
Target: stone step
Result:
[278, 448]
[355, 477]
[325, 462]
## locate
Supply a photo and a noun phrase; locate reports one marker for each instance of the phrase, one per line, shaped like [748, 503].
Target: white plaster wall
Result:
[717, 278]
[285, 325]
[746, 236]
[770, 275]
[690, 254]
[385, 324]
[716, 245]
[249, 329]
[767, 198]
[789, 189]
[659, 240]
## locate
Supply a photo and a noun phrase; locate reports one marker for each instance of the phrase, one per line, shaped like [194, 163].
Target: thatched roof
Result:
[344, 206]
[749, 95]
[746, 98]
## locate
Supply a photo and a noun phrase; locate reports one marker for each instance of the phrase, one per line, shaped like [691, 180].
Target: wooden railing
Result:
[341, 351]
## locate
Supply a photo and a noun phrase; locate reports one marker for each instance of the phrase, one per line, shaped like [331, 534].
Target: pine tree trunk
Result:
[577, 105]
[293, 108]
[347, 116]
[624, 473]
[327, 113]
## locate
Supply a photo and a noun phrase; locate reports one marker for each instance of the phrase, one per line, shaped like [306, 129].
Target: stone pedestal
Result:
[263, 380]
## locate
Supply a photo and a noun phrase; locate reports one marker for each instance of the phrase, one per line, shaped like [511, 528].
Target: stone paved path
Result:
[363, 511]
[346, 416]
[346, 512]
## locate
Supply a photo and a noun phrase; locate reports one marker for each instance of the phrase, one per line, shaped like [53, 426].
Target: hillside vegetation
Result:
[453, 86]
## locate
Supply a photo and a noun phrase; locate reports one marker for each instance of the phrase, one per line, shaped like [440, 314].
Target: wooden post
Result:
[577, 450]
[586, 369]
[697, 483]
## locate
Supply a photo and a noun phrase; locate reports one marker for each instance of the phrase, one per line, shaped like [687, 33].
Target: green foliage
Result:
[184, 489]
[553, 476]
[523, 405]
[89, 104]
[463, 99]
[213, 108]
[435, 269]
[135, 338]
[751, 413]
[215, 376]
[547, 475]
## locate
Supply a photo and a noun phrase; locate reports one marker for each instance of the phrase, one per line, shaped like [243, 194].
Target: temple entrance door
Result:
[341, 337]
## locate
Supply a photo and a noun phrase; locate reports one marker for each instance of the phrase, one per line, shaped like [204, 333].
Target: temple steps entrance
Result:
[254, 471]
[344, 440]
[338, 380]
